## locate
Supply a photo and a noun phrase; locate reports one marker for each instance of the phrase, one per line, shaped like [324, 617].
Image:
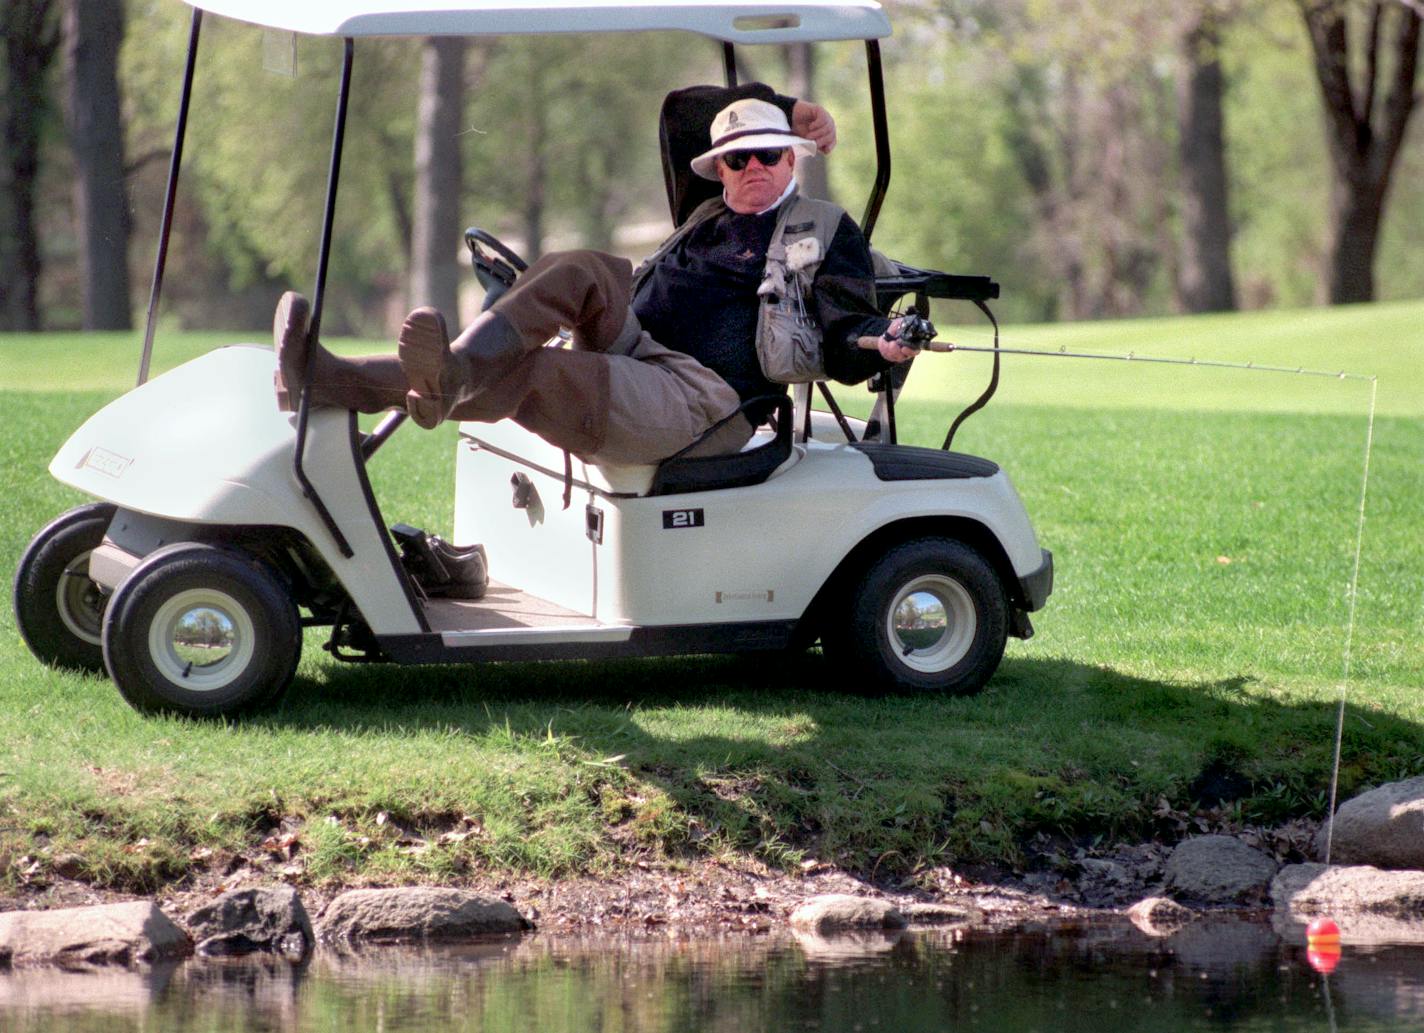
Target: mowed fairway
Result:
[1203, 524]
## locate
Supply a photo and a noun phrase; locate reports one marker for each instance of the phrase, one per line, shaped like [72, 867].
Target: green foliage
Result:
[560, 142]
[956, 201]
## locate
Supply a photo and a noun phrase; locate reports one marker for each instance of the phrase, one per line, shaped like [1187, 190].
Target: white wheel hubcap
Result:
[931, 623]
[201, 639]
[79, 602]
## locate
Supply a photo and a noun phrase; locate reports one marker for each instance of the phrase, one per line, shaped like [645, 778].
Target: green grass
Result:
[1203, 524]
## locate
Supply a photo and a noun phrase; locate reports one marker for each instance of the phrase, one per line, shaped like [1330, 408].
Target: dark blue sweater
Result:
[701, 299]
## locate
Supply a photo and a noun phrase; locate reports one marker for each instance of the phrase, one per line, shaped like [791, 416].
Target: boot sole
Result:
[423, 347]
[289, 336]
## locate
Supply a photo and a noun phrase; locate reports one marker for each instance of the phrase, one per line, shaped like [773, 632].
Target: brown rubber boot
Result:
[443, 376]
[367, 383]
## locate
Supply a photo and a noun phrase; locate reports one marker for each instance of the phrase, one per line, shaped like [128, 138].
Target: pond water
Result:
[1099, 978]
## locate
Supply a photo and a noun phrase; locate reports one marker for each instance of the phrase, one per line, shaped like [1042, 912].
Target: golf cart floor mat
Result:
[502, 607]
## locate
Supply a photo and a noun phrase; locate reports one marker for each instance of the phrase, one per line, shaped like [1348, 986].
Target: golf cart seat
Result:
[769, 450]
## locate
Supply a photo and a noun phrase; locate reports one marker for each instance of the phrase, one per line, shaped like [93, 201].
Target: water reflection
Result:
[1209, 976]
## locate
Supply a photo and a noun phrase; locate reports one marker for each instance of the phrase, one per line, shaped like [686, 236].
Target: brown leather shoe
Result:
[424, 349]
[289, 338]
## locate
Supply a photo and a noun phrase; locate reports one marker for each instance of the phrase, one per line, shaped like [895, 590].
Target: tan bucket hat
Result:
[749, 125]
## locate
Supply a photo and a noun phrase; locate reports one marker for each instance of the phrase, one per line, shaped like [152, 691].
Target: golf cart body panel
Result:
[221, 455]
[788, 21]
[757, 553]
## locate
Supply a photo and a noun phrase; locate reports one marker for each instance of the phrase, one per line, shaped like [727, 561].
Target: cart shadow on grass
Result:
[898, 783]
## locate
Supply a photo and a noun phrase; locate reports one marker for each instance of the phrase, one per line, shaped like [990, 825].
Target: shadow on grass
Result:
[769, 755]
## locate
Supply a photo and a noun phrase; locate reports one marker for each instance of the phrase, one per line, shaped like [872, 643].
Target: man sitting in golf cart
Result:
[757, 288]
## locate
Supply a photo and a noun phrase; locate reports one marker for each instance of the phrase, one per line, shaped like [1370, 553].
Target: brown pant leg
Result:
[638, 406]
[586, 291]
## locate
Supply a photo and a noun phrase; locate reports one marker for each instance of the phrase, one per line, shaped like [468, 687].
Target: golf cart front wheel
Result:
[929, 615]
[201, 630]
[58, 609]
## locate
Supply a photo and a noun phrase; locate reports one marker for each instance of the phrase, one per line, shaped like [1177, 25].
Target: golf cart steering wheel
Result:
[497, 272]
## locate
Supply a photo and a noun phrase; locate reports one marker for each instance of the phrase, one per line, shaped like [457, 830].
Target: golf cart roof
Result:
[749, 21]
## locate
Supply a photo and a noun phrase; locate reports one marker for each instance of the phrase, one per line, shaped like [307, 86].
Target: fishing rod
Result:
[946, 346]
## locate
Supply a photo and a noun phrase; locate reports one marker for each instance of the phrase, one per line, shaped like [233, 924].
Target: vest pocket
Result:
[788, 342]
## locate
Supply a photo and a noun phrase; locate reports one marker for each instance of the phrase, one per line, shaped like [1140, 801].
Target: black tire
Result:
[182, 594]
[59, 611]
[963, 613]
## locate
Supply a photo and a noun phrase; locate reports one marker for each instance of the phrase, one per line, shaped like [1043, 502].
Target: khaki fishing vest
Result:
[788, 338]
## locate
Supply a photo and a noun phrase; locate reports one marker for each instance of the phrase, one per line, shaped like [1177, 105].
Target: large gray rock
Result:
[1383, 827]
[833, 912]
[118, 934]
[1219, 870]
[1327, 889]
[417, 913]
[259, 918]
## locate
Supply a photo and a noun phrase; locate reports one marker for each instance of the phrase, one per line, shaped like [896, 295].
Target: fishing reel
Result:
[915, 330]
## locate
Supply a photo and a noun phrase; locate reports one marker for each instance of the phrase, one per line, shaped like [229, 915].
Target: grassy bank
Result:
[1203, 525]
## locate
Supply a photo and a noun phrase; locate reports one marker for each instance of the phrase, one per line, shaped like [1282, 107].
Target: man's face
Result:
[755, 187]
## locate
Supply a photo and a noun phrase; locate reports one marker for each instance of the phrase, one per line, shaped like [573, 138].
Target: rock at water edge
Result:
[258, 918]
[838, 911]
[108, 934]
[1219, 870]
[1383, 827]
[417, 913]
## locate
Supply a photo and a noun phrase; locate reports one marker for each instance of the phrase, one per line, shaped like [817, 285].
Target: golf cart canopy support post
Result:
[333, 179]
[170, 193]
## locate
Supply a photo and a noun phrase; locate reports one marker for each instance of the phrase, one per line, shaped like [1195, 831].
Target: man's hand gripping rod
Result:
[915, 332]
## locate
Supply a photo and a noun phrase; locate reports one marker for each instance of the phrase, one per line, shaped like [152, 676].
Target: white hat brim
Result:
[705, 164]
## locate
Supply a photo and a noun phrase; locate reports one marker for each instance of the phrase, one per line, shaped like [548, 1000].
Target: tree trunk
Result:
[1356, 213]
[93, 34]
[801, 83]
[434, 272]
[1204, 280]
[536, 169]
[30, 42]
[1365, 124]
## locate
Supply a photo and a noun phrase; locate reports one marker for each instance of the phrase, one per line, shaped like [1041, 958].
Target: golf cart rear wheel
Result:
[201, 630]
[929, 615]
[58, 609]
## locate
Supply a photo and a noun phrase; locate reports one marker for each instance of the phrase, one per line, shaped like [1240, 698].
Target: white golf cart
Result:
[192, 578]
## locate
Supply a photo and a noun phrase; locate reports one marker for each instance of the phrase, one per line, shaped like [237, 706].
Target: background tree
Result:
[93, 34]
[1204, 278]
[800, 81]
[31, 32]
[434, 275]
[1367, 87]
[1090, 117]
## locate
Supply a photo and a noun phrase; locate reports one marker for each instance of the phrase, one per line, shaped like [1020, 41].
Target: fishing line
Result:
[1350, 627]
[1353, 593]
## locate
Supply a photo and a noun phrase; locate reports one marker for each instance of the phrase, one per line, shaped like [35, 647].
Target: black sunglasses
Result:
[769, 158]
